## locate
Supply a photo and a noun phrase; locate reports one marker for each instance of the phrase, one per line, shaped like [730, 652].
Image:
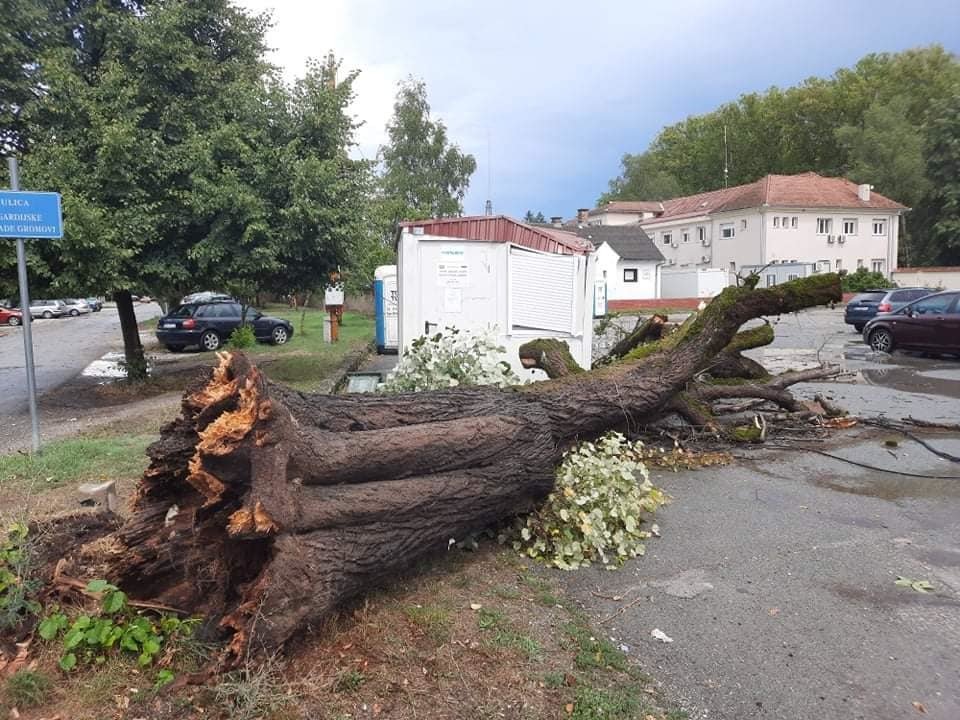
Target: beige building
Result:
[829, 223]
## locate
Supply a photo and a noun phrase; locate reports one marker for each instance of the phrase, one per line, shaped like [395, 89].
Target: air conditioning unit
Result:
[841, 239]
[705, 258]
[706, 242]
[674, 245]
[829, 239]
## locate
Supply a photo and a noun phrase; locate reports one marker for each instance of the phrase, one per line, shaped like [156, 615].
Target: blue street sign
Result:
[30, 215]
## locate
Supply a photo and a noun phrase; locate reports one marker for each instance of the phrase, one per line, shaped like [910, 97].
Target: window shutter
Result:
[541, 291]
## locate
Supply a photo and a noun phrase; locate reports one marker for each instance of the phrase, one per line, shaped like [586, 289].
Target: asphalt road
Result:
[61, 348]
[775, 576]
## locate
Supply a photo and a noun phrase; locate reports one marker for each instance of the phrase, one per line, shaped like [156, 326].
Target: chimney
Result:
[583, 214]
[556, 221]
[863, 192]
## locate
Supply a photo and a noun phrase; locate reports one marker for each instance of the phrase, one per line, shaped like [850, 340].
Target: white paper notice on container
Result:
[453, 273]
[452, 300]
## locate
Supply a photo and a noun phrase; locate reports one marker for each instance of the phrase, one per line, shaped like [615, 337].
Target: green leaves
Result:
[920, 586]
[601, 496]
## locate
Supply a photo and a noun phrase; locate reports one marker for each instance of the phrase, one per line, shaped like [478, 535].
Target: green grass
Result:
[78, 460]
[28, 688]
[433, 619]
[517, 641]
[594, 653]
[349, 681]
[307, 360]
[594, 704]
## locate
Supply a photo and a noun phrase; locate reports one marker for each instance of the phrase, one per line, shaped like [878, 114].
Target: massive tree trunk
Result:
[264, 508]
[135, 363]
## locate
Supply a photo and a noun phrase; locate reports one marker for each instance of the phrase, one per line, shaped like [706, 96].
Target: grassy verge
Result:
[477, 635]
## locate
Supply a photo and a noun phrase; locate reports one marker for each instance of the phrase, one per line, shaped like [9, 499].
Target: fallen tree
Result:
[264, 509]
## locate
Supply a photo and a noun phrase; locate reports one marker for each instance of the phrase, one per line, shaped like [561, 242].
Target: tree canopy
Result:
[884, 121]
[424, 174]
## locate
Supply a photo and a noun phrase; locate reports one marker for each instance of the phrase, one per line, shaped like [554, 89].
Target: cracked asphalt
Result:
[775, 576]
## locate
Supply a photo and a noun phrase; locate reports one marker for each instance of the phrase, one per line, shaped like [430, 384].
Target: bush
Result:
[242, 337]
[863, 279]
[449, 359]
[596, 507]
[17, 587]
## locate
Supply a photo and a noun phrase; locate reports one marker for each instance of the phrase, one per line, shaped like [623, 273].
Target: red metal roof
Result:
[503, 229]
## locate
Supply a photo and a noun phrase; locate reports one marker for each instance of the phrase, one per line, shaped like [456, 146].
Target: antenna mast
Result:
[726, 168]
[488, 206]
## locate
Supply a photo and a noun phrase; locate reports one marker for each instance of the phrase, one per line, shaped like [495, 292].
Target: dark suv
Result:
[866, 305]
[209, 324]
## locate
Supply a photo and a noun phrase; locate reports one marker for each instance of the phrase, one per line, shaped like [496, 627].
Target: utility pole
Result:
[27, 318]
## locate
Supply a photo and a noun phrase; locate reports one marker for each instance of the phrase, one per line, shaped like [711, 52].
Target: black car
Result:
[866, 305]
[931, 324]
[209, 324]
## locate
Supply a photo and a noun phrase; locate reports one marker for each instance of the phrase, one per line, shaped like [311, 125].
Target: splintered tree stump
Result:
[264, 509]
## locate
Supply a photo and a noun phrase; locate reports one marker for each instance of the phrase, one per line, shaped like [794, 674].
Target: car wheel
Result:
[881, 340]
[74, 313]
[47, 314]
[858, 328]
[279, 335]
[13, 320]
[210, 341]
[175, 348]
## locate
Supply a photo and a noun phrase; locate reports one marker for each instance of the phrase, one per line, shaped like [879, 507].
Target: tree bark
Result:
[135, 362]
[264, 508]
[643, 332]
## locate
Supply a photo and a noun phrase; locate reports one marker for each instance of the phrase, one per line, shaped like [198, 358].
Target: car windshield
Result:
[182, 311]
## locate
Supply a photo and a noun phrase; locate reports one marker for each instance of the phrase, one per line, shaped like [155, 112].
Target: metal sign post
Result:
[28, 215]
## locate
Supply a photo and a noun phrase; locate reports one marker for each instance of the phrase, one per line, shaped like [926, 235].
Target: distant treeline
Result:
[893, 120]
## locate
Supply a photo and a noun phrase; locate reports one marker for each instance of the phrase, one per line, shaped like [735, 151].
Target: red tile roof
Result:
[805, 190]
[629, 206]
[499, 228]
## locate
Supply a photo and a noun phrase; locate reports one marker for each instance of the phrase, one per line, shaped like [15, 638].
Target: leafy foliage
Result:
[534, 217]
[596, 508]
[424, 175]
[16, 586]
[451, 358]
[117, 628]
[242, 337]
[863, 279]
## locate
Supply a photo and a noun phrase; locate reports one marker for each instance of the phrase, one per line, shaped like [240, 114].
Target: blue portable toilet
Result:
[386, 309]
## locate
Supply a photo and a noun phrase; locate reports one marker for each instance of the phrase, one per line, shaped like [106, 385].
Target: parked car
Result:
[75, 306]
[96, 305]
[209, 324]
[47, 309]
[205, 296]
[869, 303]
[931, 323]
[9, 316]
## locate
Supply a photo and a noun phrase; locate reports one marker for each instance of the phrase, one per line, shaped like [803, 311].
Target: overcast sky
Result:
[549, 94]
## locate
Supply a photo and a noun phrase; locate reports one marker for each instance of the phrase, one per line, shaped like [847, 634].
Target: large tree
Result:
[424, 174]
[185, 163]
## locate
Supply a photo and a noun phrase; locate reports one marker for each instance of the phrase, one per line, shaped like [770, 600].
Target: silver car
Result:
[75, 306]
[47, 309]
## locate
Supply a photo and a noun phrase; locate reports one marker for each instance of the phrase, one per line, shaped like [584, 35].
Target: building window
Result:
[824, 226]
[701, 234]
[771, 280]
[793, 276]
[604, 274]
[667, 238]
[630, 275]
[794, 221]
[859, 263]
[823, 266]
[877, 265]
[776, 221]
[784, 220]
[879, 227]
[839, 265]
[849, 226]
[685, 235]
[733, 266]
[743, 224]
[727, 230]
